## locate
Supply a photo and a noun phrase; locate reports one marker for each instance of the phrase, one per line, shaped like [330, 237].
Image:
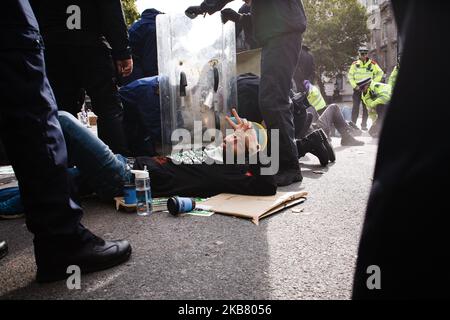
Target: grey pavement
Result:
[291, 255]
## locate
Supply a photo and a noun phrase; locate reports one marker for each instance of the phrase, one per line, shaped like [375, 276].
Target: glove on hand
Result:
[230, 15]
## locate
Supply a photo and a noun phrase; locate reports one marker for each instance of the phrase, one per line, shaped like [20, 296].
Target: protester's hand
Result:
[193, 12]
[242, 124]
[124, 67]
[230, 15]
[357, 89]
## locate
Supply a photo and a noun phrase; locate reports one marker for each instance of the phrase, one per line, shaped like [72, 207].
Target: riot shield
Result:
[197, 77]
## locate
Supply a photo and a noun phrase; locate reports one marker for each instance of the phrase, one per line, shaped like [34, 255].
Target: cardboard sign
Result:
[254, 207]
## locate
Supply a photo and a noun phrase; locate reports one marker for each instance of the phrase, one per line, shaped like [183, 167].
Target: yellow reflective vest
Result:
[315, 98]
[360, 71]
[393, 77]
[378, 94]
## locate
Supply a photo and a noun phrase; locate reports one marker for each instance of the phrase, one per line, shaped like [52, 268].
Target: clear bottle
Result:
[143, 192]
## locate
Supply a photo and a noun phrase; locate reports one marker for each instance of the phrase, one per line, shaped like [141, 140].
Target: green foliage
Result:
[130, 11]
[336, 28]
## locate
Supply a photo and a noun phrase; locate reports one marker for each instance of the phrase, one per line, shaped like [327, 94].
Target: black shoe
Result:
[313, 144]
[348, 141]
[97, 254]
[285, 178]
[3, 249]
[326, 143]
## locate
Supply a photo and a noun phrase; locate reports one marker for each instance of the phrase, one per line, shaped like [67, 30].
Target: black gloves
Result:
[230, 15]
[194, 11]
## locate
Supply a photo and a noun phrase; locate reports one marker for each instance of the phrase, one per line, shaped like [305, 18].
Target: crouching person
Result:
[376, 96]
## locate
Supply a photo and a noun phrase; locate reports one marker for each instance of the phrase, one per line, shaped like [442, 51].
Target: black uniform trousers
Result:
[31, 133]
[357, 100]
[279, 60]
[406, 229]
[73, 68]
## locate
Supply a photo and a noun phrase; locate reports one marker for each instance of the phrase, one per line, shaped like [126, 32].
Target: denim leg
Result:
[332, 117]
[10, 202]
[98, 166]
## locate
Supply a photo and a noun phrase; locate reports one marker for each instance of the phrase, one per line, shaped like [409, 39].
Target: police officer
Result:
[30, 131]
[277, 27]
[362, 69]
[376, 97]
[143, 45]
[87, 47]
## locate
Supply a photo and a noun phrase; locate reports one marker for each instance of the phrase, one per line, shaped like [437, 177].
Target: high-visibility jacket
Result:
[315, 98]
[362, 70]
[393, 77]
[378, 94]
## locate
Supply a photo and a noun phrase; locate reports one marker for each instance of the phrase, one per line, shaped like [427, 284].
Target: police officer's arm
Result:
[377, 73]
[212, 6]
[351, 76]
[115, 29]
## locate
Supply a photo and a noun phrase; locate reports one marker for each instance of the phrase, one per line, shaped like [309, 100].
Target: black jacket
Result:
[270, 18]
[102, 23]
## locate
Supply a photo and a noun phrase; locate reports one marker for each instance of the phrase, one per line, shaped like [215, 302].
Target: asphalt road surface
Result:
[291, 255]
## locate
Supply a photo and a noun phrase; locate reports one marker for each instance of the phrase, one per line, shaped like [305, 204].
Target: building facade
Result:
[383, 44]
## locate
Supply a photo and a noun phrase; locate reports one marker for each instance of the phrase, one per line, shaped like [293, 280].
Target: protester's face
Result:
[241, 142]
[248, 2]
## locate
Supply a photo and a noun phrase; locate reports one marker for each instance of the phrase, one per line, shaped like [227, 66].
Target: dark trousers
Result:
[71, 69]
[405, 232]
[278, 62]
[332, 118]
[33, 139]
[355, 111]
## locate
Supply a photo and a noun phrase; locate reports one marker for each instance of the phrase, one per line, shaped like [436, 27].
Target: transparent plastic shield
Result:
[197, 76]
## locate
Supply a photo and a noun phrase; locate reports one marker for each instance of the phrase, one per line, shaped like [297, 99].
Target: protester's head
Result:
[248, 2]
[248, 137]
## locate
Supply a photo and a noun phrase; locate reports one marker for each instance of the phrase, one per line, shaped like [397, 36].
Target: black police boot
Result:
[326, 143]
[287, 177]
[349, 141]
[3, 249]
[313, 144]
[94, 255]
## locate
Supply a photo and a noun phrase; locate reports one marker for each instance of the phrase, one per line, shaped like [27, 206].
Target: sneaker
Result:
[355, 130]
[287, 177]
[349, 141]
[3, 249]
[95, 255]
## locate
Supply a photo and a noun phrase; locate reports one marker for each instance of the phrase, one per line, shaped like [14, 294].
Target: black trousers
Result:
[32, 135]
[406, 227]
[279, 60]
[72, 69]
[357, 100]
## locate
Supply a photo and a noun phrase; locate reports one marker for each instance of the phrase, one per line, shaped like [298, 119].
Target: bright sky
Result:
[170, 6]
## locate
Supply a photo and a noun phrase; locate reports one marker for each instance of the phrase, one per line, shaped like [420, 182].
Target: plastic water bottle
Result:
[143, 192]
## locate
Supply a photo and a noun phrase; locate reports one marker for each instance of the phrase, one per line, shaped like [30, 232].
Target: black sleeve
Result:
[211, 6]
[114, 28]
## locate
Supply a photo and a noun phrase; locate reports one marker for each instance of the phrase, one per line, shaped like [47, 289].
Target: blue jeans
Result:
[10, 202]
[96, 166]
